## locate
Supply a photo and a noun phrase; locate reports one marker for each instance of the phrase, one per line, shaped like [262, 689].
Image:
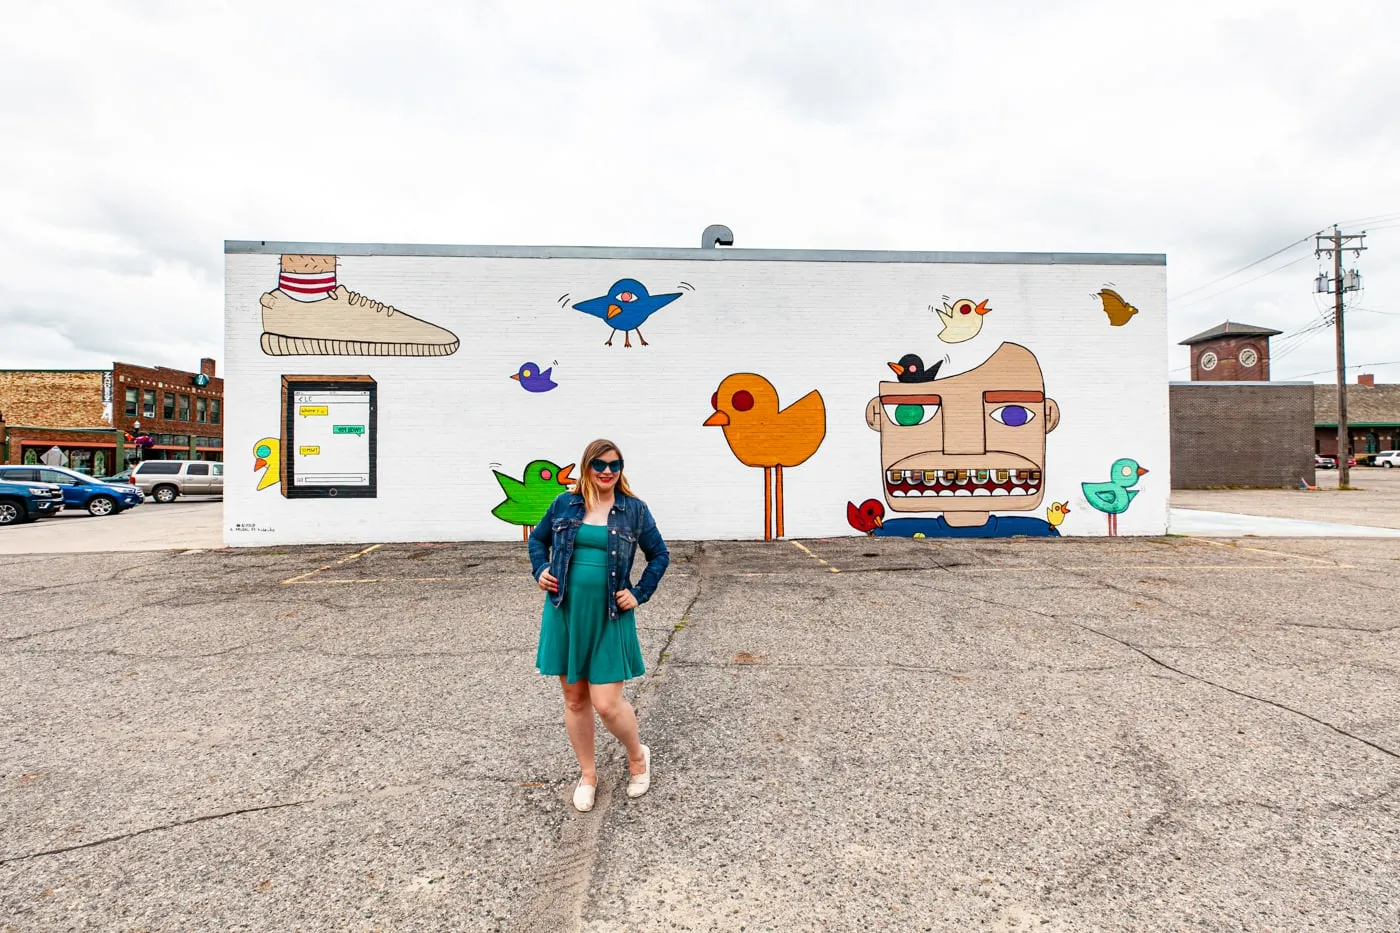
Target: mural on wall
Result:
[330, 438]
[963, 446]
[962, 320]
[310, 313]
[1119, 311]
[267, 456]
[910, 368]
[528, 498]
[760, 434]
[962, 404]
[532, 379]
[1113, 497]
[625, 307]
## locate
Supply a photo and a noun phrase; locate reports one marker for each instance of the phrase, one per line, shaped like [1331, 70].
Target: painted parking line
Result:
[803, 548]
[344, 560]
[1264, 550]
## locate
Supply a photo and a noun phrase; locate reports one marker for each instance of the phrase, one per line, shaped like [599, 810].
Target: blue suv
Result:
[80, 491]
[24, 502]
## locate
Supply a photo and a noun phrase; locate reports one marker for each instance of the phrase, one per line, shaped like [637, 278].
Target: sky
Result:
[139, 136]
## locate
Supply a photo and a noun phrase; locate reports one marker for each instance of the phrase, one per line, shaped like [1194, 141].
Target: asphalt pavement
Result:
[851, 734]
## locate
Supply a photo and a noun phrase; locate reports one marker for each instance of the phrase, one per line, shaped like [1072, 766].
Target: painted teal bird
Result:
[1112, 498]
[528, 498]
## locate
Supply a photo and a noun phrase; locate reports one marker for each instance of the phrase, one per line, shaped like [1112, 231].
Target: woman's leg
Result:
[617, 714]
[578, 720]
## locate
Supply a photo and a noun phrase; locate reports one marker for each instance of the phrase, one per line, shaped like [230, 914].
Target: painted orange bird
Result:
[762, 435]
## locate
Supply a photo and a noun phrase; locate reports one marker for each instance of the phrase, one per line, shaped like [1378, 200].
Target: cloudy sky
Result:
[139, 136]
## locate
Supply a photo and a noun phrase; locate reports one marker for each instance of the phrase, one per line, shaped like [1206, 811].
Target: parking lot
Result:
[192, 522]
[850, 734]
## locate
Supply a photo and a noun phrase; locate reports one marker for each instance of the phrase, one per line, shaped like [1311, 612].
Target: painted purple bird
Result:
[532, 380]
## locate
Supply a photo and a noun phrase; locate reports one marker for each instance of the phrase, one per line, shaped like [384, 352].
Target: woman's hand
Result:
[625, 600]
[547, 582]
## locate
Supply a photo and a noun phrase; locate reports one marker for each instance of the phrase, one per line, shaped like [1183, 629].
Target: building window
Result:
[182, 439]
[201, 410]
[132, 400]
[184, 408]
[148, 404]
[214, 410]
[168, 408]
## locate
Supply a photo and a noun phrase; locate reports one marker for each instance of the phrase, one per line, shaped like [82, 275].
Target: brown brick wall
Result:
[55, 399]
[1241, 434]
[163, 380]
[1227, 352]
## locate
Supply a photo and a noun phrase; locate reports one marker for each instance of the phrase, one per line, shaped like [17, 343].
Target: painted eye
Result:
[1127, 471]
[742, 401]
[1013, 416]
[906, 416]
[626, 296]
[263, 451]
[526, 373]
[965, 309]
[546, 474]
[714, 401]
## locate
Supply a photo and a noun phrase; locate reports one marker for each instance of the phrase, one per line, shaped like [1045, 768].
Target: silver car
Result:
[166, 480]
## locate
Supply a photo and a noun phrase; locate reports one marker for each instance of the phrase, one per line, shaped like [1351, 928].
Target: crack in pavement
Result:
[151, 829]
[1163, 664]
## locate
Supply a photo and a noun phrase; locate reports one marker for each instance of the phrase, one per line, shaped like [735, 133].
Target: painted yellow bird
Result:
[268, 454]
[1056, 513]
[962, 320]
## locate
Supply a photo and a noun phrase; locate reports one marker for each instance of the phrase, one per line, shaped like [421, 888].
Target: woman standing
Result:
[581, 555]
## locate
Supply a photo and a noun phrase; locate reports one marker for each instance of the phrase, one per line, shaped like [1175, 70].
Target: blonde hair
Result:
[586, 486]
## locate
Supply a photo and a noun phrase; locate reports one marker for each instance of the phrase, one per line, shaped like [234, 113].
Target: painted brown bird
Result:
[1119, 311]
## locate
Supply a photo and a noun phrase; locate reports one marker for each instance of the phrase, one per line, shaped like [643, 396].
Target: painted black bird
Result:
[911, 369]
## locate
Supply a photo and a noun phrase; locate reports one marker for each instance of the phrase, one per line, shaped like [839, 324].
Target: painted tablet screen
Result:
[332, 437]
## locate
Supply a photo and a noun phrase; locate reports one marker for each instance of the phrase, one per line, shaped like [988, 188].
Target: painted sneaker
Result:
[346, 323]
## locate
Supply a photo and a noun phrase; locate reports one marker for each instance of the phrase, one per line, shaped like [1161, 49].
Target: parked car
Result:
[165, 480]
[123, 478]
[1323, 462]
[80, 491]
[1387, 459]
[24, 502]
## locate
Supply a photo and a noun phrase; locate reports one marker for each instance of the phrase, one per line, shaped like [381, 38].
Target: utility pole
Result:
[1339, 285]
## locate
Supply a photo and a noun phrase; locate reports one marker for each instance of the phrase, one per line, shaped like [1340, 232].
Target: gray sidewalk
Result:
[1109, 734]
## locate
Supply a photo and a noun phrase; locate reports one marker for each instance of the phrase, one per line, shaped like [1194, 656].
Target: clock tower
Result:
[1230, 352]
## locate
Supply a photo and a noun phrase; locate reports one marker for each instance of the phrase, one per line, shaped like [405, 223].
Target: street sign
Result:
[54, 457]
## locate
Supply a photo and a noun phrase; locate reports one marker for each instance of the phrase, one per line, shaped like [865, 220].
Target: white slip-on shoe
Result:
[640, 783]
[583, 796]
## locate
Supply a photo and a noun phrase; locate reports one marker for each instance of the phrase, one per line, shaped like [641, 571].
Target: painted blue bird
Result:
[626, 308]
[1113, 497]
[532, 380]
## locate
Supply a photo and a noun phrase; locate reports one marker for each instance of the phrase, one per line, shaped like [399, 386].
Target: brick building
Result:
[103, 420]
[1242, 434]
[1230, 352]
[1373, 417]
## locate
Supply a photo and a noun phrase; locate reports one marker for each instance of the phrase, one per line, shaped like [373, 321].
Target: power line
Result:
[1246, 268]
[1333, 369]
[1231, 288]
[1373, 217]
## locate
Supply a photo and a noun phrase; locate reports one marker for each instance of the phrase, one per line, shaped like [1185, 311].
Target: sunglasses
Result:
[599, 465]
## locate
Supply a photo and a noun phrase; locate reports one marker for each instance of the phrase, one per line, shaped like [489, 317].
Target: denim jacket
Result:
[629, 524]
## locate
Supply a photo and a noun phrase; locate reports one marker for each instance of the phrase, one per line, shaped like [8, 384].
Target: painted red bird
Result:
[867, 517]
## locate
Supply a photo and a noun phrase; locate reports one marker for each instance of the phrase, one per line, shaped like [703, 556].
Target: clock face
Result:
[1208, 361]
[1248, 357]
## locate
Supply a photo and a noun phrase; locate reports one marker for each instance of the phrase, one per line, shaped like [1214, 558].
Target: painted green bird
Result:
[527, 499]
[1112, 497]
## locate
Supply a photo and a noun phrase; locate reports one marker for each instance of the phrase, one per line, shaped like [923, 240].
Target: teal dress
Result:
[576, 639]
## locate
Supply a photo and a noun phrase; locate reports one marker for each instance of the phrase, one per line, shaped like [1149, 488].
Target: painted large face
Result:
[970, 443]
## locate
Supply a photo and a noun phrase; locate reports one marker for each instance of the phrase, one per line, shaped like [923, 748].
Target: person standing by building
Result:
[581, 555]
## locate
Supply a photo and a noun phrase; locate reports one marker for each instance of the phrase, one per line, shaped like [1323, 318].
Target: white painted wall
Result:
[829, 326]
